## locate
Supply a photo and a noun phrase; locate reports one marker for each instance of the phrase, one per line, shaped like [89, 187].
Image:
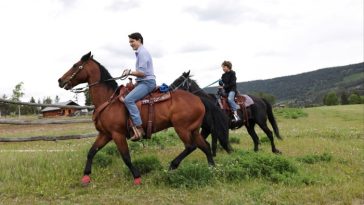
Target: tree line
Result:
[343, 98]
[17, 94]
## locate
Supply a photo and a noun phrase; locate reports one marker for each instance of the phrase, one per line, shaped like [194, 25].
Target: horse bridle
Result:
[79, 90]
[68, 81]
[181, 85]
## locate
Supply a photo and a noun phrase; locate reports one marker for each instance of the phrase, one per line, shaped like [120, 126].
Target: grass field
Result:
[322, 163]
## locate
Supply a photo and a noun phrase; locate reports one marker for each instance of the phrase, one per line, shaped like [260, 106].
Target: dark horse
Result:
[260, 111]
[183, 111]
[215, 121]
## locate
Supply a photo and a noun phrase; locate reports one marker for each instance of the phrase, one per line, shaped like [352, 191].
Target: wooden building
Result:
[57, 111]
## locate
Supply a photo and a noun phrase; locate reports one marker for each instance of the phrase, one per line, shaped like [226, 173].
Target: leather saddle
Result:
[244, 101]
[149, 100]
[156, 96]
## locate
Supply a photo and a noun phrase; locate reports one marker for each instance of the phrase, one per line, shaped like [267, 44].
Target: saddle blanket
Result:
[248, 100]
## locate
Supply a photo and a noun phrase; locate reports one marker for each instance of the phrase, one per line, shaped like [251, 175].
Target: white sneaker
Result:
[236, 117]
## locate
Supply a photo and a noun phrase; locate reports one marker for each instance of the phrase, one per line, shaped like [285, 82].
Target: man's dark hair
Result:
[137, 36]
[227, 64]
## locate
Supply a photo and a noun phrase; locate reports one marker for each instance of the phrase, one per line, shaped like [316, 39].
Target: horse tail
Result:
[272, 119]
[217, 123]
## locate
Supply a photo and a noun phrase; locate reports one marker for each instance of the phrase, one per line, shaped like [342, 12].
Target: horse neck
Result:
[99, 94]
[198, 91]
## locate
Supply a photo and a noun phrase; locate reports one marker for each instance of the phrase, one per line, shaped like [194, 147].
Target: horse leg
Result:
[190, 146]
[123, 148]
[270, 136]
[176, 161]
[253, 135]
[99, 143]
[203, 146]
[187, 151]
[205, 133]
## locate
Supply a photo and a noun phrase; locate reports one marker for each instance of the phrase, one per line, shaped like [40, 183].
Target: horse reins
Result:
[188, 85]
[181, 84]
[83, 89]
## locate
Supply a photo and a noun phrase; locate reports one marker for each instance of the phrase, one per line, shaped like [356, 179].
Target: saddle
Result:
[155, 96]
[244, 101]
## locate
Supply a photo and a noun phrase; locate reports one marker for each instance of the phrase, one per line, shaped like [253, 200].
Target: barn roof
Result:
[69, 102]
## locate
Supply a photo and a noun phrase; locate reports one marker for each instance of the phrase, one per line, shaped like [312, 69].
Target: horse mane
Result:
[196, 88]
[105, 77]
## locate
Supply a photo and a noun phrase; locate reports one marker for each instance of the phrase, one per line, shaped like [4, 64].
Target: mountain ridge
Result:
[308, 87]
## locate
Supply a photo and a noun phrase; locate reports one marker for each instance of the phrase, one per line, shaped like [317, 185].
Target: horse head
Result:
[77, 74]
[183, 82]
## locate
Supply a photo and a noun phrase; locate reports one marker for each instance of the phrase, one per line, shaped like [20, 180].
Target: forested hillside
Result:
[310, 87]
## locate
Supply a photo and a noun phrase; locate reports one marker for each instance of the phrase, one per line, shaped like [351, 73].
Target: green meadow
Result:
[322, 162]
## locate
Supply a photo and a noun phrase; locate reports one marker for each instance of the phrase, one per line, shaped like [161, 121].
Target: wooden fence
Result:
[43, 122]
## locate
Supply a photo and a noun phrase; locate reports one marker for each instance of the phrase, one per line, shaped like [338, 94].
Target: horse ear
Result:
[86, 56]
[92, 57]
[186, 74]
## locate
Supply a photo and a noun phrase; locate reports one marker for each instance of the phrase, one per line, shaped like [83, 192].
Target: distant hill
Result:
[309, 87]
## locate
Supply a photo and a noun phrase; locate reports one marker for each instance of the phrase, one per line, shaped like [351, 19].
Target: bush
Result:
[291, 113]
[245, 165]
[111, 150]
[101, 159]
[312, 159]
[146, 164]
[234, 140]
[331, 99]
[187, 176]
[163, 139]
[354, 99]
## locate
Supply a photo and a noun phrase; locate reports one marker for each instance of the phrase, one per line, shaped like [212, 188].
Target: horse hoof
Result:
[138, 181]
[85, 180]
[277, 152]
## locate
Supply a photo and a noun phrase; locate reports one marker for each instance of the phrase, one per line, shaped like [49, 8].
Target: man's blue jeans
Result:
[142, 88]
[231, 101]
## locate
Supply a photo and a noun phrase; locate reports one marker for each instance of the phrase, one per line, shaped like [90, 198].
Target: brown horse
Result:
[183, 111]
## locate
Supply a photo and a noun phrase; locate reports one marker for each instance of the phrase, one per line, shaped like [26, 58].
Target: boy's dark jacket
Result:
[229, 81]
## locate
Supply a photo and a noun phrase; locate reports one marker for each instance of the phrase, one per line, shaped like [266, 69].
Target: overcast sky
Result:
[41, 39]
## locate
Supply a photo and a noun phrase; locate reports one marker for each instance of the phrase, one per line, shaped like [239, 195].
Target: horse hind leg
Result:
[205, 133]
[176, 161]
[253, 135]
[99, 143]
[202, 144]
[190, 142]
[269, 133]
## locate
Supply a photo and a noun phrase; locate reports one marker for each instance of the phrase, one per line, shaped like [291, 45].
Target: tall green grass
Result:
[322, 163]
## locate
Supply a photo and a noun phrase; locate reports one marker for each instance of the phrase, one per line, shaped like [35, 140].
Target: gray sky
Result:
[42, 39]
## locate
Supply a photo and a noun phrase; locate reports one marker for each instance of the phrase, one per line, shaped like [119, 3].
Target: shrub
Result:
[331, 99]
[111, 150]
[234, 140]
[245, 165]
[146, 164]
[101, 159]
[354, 99]
[291, 113]
[163, 139]
[312, 159]
[264, 140]
[187, 176]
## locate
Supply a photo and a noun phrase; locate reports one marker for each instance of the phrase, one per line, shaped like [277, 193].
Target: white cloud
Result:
[42, 39]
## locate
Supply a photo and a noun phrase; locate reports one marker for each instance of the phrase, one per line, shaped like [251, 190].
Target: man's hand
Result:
[126, 72]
